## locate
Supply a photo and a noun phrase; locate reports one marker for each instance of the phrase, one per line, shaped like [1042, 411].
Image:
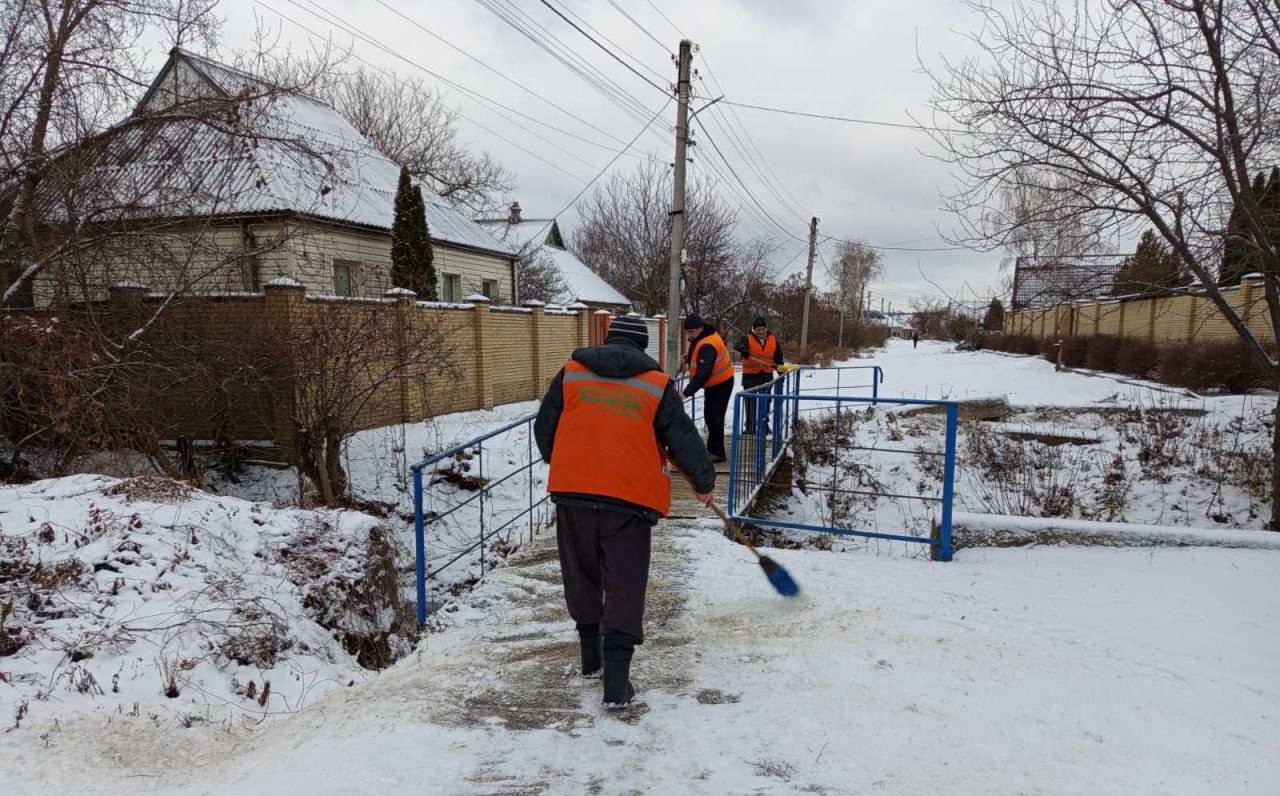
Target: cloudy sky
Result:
[855, 58]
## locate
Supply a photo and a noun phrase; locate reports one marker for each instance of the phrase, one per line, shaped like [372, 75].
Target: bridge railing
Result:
[493, 488]
[755, 457]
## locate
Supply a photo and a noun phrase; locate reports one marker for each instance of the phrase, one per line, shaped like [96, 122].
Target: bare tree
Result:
[853, 268]
[100, 190]
[408, 121]
[1143, 112]
[539, 276]
[625, 236]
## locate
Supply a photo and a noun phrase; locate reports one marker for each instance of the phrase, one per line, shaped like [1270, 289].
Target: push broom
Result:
[777, 574]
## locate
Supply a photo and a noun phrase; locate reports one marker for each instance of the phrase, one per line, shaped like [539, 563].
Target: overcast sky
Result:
[852, 58]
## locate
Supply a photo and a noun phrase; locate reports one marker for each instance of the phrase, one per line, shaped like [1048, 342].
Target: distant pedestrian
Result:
[915, 339]
[761, 355]
[710, 370]
[607, 425]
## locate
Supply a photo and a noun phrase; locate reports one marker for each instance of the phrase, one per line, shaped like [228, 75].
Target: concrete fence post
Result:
[484, 362]
[537, 354]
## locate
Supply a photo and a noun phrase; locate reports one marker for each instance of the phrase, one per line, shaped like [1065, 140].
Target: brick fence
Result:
[1183, 316]
[496, 355]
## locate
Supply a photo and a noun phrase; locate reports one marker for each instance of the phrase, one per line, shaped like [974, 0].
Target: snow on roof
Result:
[581, 283]
[345, 178]
[529, 232]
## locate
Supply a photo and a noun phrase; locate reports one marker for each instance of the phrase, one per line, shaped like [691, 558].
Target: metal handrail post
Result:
[733, 452]
[948, 481]
[420, 545]
[483, 490]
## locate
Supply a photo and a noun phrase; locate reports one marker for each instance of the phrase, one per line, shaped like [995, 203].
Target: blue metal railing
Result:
[844, 382]
[753, 461]
[483, 495]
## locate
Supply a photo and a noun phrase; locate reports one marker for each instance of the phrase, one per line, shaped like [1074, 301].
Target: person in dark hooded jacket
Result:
[608, 424]
[710, 370]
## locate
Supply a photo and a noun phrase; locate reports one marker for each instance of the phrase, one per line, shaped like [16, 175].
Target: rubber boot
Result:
[618, 649]
[592, 644]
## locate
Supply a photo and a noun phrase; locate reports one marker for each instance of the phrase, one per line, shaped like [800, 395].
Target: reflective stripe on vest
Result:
[722, 370]
[760, 357]
[605, 443]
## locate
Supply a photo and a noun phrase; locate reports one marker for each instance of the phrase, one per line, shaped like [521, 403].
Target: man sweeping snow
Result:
[607, 425]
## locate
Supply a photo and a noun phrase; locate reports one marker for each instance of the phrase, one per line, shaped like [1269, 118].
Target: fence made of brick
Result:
[1187, 315]
[249, 380]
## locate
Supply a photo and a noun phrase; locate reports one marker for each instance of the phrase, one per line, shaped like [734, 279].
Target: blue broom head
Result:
[782, 581]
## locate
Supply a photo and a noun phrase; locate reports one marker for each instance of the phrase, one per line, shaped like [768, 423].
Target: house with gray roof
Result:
[533, 237]
[282, 187]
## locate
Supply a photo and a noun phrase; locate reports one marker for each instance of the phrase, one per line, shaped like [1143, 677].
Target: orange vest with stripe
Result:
[605, 443]
[722, 370]
[760, 357]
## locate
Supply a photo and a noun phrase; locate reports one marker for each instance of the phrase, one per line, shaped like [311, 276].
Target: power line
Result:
[736, 176]
[497, 72]
[666, 19]
[897, 248]
[533, 30]
[355, 32]
[642, 28]
[606, 50]
[834, 118]
[608, 165]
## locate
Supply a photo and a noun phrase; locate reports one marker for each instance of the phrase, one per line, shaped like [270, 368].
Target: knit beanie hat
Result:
[758, 322]
[628, 328]
[694, 322]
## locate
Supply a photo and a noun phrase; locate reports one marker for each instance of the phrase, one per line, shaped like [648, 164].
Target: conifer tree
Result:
[411, 255]
[1238, 248]
[1152, 269]
[401, 233]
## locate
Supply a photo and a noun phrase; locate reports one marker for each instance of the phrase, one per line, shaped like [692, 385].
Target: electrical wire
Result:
[642, 28]
[606, 50]
[835, 118]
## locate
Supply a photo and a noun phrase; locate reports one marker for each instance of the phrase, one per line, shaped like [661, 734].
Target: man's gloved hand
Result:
[688, 392]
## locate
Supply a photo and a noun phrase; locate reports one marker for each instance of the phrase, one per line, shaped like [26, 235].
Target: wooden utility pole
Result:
[808, 286]
[674, 326]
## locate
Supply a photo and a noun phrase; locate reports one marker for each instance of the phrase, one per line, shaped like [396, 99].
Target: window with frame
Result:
[343, 278]
[452, 288]
[489, 288]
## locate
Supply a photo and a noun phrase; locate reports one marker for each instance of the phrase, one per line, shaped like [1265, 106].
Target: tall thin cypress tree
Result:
[1239, 253]
[424, 273]
[402, 230]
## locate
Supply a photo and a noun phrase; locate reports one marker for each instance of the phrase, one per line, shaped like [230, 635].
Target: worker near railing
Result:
[761, 355]
[607, 425]
[710, 370]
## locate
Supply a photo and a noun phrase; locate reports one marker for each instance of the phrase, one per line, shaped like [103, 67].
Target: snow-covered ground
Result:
[1034, 670]
[1037, 671]
[1071, 445]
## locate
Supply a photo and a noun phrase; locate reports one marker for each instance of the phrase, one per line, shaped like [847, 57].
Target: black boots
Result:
[618, 649]
[592, 649]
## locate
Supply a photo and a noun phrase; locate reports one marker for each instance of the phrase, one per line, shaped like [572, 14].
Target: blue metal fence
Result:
[490, 524]
[755, 457]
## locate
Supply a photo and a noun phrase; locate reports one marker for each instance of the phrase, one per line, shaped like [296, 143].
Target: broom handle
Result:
[733, 528]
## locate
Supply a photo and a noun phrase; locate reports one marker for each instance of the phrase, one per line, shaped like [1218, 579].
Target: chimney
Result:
[514, 218]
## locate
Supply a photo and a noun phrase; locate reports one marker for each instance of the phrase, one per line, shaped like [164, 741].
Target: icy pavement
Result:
[1043, 671]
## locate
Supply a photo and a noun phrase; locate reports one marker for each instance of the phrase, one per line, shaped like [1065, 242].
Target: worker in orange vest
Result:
[711, 370]
[607, 426]
[761, 355]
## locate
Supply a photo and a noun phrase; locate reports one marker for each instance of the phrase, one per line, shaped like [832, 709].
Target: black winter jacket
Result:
[676, 434]
[701, 370]
[742, 349]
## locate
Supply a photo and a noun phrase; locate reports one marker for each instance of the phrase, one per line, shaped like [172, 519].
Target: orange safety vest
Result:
[605, 443]
[722, 370]
[759, 357]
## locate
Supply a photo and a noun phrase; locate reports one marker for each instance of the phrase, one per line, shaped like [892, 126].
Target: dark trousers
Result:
[715, 404]
[752, 405]
[604, 563]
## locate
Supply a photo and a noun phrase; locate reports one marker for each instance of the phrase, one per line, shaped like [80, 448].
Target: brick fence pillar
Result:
[584, 322]
[537, 354]
[404, 299]
[484, 361]
[285, 298]
[1249, 286]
